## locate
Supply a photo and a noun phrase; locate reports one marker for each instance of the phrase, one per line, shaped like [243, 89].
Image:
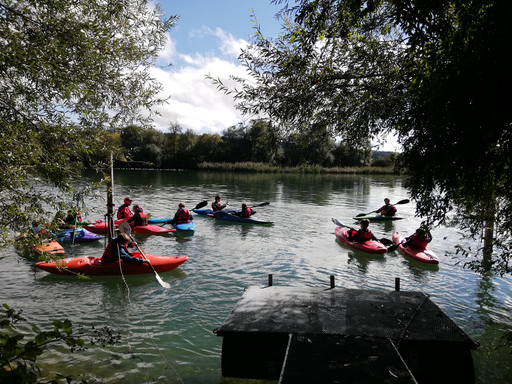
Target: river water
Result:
[167, 334]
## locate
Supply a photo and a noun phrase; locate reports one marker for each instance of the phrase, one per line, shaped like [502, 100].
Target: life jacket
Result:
[418, 242]
[124, 212]
[140, 219]
[389, 210]
[246, 213]
[111, 254]
[183, 216]
[216, 206]
[365, 235]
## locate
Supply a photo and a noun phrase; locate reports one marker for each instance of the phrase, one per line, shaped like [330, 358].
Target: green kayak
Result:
[378, 218]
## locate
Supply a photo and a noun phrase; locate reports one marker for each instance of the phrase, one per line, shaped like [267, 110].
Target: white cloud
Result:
[195, 102]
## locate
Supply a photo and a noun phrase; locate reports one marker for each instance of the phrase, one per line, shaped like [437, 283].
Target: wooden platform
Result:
[314, 335]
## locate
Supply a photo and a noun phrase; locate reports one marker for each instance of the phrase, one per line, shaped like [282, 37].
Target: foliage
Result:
[70, 71]
[433, 73]
[18, 359]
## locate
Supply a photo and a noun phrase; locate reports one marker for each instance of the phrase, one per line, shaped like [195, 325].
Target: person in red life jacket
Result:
[245, 213]
[118, 249]
[181, 216]
[387, 209]
[139, 218]
[418, 240]
[364, 234]
[217, 206]
[123, 212]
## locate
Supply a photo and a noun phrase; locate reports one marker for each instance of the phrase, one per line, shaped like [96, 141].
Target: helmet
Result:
[127, 201]
[383, 212]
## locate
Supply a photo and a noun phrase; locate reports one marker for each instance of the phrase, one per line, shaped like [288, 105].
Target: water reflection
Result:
[363, 260]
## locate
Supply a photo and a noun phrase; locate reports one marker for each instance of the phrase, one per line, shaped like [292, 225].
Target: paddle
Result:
[124, 227]
[201, 205]
[404, 201]
[261, 205]
[234, 212]
[394, 247]
[340, 224]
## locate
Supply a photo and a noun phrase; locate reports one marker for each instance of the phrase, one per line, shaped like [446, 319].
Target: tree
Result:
[208, 148]
[172, 138]
[18, 360]
[433, 73]
[69, 70]
[264, 141]
[236, 144]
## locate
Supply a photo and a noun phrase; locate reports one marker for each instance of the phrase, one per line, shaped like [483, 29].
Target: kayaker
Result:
[73, 218]
[123, 212]
[387, 209]
[217, 206]
[245, 213]
[418, 240]
[182, 215]
[364, 234]
[118, 248]
[139, 218]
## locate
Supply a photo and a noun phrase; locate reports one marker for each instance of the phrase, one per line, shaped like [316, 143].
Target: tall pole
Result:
[110, 201]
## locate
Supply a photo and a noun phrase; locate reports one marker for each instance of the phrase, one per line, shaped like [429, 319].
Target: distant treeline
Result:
[256, 145]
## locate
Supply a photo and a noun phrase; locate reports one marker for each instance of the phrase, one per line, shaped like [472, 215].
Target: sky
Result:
[207, 40]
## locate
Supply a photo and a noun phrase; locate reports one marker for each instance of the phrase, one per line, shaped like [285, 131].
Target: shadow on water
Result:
[361, 260]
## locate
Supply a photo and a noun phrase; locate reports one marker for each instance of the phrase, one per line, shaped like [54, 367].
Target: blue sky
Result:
[207, 39]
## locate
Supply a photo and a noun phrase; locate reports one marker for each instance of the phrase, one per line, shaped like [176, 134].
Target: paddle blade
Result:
[262, 204]
[124, 227]
[201, 205]
[393, 248]
[404, 201]
[338, 223]
[386, 241]
[162, 283]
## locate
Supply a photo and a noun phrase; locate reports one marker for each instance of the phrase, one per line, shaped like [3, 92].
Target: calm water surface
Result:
[167, 335]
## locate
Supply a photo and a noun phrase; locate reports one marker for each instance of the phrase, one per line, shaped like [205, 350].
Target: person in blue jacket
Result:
[118, 249]
[139, 218]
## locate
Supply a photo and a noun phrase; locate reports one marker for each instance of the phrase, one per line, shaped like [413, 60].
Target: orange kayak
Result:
[52, 247]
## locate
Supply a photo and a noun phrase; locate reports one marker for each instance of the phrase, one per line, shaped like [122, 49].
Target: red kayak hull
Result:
[92, 266]
[102, 228]
[425, 256]
[370, 246]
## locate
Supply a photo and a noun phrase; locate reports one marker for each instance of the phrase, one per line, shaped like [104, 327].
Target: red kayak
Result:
[423, 255]
[101, 227]
[370, 246]
[92, 266]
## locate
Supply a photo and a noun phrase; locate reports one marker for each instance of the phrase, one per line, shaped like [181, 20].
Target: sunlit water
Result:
[167, 335]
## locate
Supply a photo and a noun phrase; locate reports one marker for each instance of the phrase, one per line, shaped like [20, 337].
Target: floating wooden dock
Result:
[316, 335]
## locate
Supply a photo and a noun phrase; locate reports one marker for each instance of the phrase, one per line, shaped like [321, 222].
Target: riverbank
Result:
[266, 168]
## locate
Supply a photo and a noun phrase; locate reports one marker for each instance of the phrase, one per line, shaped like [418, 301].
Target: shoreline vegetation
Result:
[267, 168]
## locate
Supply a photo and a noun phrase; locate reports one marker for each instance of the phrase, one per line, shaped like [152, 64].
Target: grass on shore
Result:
[266, 168]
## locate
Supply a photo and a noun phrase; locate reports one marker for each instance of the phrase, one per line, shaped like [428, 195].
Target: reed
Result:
[266, 168]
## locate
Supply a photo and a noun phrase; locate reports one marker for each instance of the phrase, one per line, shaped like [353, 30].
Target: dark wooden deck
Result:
[314, 335]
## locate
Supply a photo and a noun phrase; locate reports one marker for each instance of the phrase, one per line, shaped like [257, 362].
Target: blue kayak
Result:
[159, 221]
[81, 235]
[185, 226]
[226, 217]
[208, 211]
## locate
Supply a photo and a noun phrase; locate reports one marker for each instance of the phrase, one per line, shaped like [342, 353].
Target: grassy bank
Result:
[265, 168]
